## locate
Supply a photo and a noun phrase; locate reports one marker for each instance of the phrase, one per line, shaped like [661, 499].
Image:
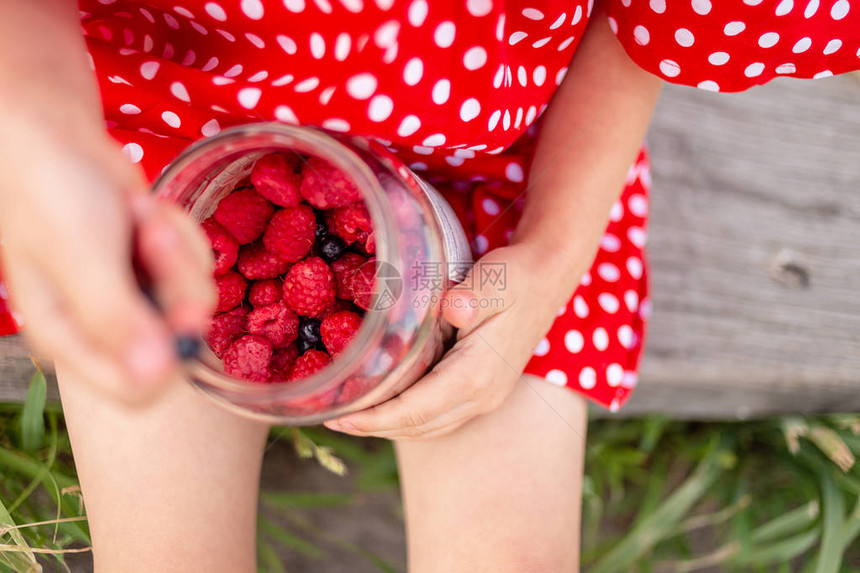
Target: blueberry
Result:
[322, 230]
[332, 249]
[304, 345]
[309, 331]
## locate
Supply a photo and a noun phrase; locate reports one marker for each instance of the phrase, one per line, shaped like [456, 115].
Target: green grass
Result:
[659, 495]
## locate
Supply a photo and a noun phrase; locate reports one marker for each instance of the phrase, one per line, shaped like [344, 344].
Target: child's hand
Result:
[70, 208]
[495, 341]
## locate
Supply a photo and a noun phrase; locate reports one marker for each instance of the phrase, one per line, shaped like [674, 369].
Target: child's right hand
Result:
[71, 209]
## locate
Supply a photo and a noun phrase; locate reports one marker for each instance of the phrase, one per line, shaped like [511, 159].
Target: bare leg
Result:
[502, 493]
[169, 488]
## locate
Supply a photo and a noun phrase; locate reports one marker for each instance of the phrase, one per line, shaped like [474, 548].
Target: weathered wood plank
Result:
[16, 370]
[755, 249]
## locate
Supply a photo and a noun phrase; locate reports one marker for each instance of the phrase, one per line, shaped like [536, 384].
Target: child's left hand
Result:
[499, 326]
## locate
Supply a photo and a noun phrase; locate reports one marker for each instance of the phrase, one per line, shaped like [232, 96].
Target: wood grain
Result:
[755, 253]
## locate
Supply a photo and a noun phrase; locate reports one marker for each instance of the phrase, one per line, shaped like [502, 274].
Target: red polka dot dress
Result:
[454, 88]
[731, 45]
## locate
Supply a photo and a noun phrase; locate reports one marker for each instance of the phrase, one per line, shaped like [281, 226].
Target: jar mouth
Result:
[199, 166]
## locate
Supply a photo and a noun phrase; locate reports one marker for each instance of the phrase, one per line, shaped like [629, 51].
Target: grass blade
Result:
[269, 560]
[22, 557]
[33, 412]
[665, 518]
[788, 524]
[287, 539]
[305, 500]
[780, 552]
[831, 551]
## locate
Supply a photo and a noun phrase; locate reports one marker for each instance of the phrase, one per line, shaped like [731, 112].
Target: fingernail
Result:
[148, 358]
[187, 346]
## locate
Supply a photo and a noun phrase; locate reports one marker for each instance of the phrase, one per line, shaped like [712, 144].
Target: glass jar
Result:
[420, 250]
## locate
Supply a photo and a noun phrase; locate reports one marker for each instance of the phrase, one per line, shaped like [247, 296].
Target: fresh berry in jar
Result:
[326, 187]
[351, 223]
[338, 330]
[265, 292]
[225, 247]
[248, 358]
[344, 270]
[291, 233]
[309, 363]
[303, 345]
[310, 330]
[363, 283]
[275, 178]
[224, 328]
[231, 290]
[245, 214]
[282, 362]
[277, 323]
[331, 249]
[256, 262]
[322, 229]
[309, 287]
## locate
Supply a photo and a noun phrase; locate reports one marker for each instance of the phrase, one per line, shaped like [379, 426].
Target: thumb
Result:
[485, 292]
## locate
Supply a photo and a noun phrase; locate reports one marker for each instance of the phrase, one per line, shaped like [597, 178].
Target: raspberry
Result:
[351, 223]
[339, 305]
[245, 214]
[309, 287]
[248, 358]
[282, 362]
[231, 290]
[264, 293]
[344, 269]
[354, 388]
[363, 282]
[338, 330]
[224, 246]
[275, 179]
[370, 244]
[277, 323]
[291, 233]
[309, 363]
[325, 186]
[224, 329]
[256, 262]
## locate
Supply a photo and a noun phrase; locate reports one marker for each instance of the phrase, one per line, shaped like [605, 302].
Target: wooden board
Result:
[755, 247]
[755, 250]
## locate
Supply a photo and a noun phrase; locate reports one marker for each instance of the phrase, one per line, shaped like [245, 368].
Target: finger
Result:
[51, 333]
[484, 292]
[90, 267]
[423, 402]
[178, 261]
[446, 423]
[461, 385]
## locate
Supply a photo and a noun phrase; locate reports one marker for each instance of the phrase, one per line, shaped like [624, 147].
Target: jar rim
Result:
[285, 137]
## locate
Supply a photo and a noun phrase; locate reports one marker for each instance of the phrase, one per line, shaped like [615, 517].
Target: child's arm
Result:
[591, 134]
[69, 204]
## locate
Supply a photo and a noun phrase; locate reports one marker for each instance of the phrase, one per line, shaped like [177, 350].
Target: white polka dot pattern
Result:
[452, 88]
[732, 45]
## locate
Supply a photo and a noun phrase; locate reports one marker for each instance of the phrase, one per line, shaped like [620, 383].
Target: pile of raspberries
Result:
[294, 251]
